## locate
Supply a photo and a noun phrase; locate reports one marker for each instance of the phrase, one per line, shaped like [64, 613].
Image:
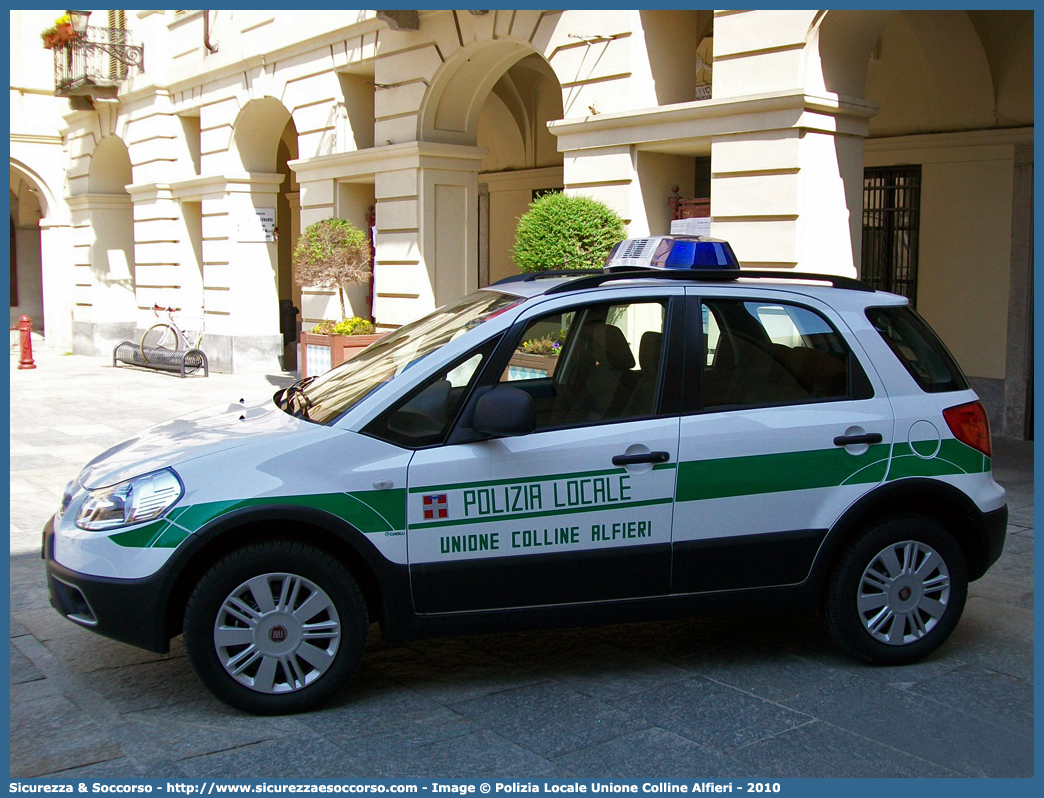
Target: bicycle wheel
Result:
[193, 362]
[157, 339]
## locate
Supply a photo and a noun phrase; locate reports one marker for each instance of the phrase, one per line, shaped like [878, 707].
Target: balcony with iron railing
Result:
[92, 64]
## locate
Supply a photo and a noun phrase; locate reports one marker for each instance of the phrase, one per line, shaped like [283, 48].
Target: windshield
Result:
[325, 399]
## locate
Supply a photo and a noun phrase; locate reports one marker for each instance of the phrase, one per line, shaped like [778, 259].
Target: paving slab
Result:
[454, 750]
[822, 751]
[22, 670]
[716, 716]
[293, 758]
[649, 753]
[49, 732]
[549, 719]
[921, 727]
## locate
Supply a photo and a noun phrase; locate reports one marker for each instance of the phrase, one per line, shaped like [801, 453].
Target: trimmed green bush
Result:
[332, 253]
[562, 231]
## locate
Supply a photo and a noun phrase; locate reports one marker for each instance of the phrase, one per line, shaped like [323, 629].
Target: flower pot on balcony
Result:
[320, 353]
[64, 33]
[50, 41]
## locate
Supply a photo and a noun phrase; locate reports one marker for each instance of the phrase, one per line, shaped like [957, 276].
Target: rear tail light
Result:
[969, 424]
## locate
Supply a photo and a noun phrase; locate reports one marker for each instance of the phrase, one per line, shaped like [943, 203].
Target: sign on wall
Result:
[261, 227]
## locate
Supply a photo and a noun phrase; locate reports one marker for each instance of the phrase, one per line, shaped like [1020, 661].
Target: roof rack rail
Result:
[709, 276]
[544, 275]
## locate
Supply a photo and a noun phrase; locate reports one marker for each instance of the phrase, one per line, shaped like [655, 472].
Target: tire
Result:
[889, 613]
[160, 337]
[255, 655]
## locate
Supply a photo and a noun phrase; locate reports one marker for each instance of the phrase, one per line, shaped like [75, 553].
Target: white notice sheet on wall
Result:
[261, 227]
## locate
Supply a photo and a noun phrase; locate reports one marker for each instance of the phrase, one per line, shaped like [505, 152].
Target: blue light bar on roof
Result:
[672, 252]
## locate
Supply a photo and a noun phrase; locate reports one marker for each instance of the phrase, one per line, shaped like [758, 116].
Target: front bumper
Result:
[129, 610]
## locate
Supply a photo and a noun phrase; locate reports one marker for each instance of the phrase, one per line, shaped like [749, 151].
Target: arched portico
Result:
[245, 262]
[105, 310]
[28, 207]
[41, 255]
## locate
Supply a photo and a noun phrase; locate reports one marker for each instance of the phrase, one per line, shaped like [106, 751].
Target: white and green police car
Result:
[552, 450]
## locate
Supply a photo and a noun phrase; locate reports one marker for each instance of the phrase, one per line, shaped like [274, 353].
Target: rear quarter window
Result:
[918, 348]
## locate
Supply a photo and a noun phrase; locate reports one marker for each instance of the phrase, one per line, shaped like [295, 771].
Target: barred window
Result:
[891, 220]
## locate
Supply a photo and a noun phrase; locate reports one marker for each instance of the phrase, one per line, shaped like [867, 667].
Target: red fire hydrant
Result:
[25, 336]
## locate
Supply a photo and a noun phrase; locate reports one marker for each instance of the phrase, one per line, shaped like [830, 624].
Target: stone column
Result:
[58, 282]
[427, 230]
[1019, 360]
[788, 192]
[104, 254]
[240, 288]
[427, 220]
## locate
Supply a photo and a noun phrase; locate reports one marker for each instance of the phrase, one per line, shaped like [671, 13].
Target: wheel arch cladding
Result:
[249, 525]
[926, 497]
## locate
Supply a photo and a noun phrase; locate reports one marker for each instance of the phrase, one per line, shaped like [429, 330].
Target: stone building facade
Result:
[893, 145]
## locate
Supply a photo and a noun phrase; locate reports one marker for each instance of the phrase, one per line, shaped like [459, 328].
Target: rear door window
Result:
[918, 348]
[765, 353]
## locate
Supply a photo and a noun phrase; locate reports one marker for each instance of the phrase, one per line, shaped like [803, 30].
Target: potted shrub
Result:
[565, 231]
[333, 253]
[330, 343]
[50, 38]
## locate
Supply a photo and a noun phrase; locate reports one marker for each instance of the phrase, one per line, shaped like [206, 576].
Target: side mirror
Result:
[504, 412]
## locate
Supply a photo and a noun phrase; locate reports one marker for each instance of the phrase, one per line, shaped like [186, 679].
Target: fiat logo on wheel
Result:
[277, 634]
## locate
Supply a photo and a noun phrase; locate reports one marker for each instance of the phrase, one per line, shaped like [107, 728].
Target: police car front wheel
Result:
[898, 591]
[275, 627]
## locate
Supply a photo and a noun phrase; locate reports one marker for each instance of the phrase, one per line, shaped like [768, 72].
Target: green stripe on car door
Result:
[774, 473]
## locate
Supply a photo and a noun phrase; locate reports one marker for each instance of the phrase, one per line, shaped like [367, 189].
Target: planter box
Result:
[320, 353]
[524, 366]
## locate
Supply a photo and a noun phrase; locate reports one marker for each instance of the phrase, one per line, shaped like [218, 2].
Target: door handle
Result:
[647, 457]
[852, 440]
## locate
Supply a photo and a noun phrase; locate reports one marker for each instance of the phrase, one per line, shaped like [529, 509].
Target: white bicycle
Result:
[167, 336]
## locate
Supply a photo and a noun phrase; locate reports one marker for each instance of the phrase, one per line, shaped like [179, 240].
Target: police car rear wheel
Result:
[898, 591]
[276, 627]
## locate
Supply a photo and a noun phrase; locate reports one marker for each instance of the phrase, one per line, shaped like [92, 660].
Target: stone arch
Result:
[512, 122]
[256, 134]
[451, 110]
[929, 73]
[838, 48]
[45, 197]
[29, 206]
[678, 46]
[110, 171]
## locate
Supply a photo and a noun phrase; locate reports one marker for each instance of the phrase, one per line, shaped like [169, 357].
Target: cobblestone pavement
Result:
[758, 697]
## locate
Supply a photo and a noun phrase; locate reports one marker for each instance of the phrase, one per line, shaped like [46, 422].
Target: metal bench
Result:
[184, 361]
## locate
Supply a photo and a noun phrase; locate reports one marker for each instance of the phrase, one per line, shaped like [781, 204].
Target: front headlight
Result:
[132, 502]
[70, 489]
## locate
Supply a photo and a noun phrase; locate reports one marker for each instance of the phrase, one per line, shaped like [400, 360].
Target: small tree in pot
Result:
[332, 253]
[566, 231]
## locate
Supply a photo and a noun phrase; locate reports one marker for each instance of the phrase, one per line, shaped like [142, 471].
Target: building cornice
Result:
[231, 62]
[715, 117]
[35, 138]
[195, 188]
[388, 157]
[523, 178]
[94, 202]
[963, 138]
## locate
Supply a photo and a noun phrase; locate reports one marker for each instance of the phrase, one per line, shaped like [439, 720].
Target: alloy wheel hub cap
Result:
[903, 593]
[277, 633]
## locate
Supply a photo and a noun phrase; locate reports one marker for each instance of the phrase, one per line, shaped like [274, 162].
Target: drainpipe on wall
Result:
[213, 48]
